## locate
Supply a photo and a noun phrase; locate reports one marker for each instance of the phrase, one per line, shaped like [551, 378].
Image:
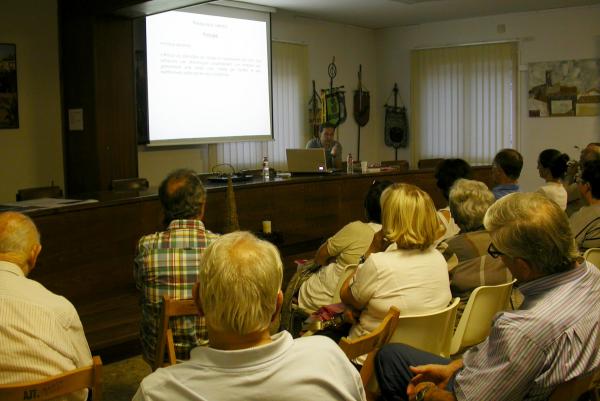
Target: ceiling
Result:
[377, 14]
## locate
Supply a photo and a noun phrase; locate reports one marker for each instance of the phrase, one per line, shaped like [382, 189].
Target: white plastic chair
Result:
[431, 332]
[592, 255]
[476, 321]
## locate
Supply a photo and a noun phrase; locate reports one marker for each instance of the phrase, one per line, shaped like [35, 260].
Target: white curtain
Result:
[463, 101]
[290, 115]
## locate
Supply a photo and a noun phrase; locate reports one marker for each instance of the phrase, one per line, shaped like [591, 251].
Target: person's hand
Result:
[418, 388]
[436, 374]
[351, 315]
[333, 151]
[572, 170]
[379, 243]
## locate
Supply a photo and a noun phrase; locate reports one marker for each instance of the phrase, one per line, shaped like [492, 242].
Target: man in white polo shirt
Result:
[239, 294]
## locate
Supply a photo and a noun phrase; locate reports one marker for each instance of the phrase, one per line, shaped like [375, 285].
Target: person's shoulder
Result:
[36, 296]
[313, 143]
[317, 346]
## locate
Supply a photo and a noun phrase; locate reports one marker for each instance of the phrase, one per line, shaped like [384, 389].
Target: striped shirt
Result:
[553, 338]
[40, 332]
[167, 264]
[585, 225]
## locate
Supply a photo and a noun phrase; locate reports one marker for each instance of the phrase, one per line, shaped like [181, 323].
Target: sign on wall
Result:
[564, 88]
[9, 105]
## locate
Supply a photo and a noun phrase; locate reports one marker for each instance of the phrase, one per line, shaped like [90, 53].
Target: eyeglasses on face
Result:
[493, 252]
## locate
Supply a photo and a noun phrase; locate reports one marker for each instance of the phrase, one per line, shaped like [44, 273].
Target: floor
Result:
[121, 379]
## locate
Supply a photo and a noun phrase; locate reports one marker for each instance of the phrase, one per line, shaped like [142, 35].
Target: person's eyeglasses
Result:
[493, 252]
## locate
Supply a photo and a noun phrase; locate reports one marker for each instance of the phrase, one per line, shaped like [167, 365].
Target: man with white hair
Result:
[553, 338]
[40, 332]
[239, 294]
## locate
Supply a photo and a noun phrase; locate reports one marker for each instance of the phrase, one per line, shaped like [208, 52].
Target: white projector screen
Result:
[209, 76]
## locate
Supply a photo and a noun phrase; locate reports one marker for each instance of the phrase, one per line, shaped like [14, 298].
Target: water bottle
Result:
[265, 167]
[349, 164]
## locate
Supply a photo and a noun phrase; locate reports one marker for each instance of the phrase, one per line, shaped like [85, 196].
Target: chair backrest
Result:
[476, 321]
[350, 269]
[89, 377]
[431, 332]
[592, 255]
[429, 163]
[39, 192]
[129, 184]
[574, 388]
[371, 343]
[170, 308]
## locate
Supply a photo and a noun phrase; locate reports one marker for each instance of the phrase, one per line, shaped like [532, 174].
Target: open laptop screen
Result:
[306, 160]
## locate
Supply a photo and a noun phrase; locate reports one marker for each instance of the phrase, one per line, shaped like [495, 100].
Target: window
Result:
[290, 115]
[463, 101]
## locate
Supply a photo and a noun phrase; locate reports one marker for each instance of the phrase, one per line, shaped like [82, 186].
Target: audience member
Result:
[167, 262]
[341, 250]
[413, 276]
[574, 199]
[469, 200]
[585, 223]
[40, 332]
[552, 166]
[553, 338]
[239, 293]
[506, 170]
[326, 140]
[446, 173]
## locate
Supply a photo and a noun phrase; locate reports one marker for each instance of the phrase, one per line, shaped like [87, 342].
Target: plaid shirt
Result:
[167, 264]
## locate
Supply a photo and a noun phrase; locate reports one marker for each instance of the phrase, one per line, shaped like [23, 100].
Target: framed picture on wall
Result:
[9, 104]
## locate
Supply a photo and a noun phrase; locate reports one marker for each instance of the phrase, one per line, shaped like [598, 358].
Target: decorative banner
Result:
[564, 88]
[9, 105]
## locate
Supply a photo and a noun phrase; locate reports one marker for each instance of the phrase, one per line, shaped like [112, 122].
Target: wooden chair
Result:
[575, 388]
[592, 255]
[370, 344]
[429, 163]
[476, 321]
[129, 184]
[89, 377]
[170, 308]
[39, 192]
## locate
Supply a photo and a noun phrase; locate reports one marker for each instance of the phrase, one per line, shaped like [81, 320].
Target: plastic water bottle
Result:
[349, 164]
[265, 168]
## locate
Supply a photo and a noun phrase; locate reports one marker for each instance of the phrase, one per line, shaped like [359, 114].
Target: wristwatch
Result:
[421, 394]
[361, 260]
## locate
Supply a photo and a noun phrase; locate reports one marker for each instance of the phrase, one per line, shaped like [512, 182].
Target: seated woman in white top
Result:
[552, 166]
[413, 276]
[341, 250]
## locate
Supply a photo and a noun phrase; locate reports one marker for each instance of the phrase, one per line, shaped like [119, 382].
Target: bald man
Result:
[40, 332]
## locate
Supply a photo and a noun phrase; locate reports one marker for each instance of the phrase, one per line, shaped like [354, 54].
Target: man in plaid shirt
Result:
[167, 262]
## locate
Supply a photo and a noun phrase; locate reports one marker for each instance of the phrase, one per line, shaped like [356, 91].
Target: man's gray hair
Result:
[239, 281]
[469, 200]
[18, 235]
[532, 227]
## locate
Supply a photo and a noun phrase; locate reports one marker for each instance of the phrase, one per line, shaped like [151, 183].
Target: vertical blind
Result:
[463, 101]
[290, 116]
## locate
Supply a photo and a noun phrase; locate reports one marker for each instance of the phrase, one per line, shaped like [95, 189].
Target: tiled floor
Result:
[121, 379]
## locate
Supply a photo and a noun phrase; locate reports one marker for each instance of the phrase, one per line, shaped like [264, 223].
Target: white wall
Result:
[563, 34]
[350, 45]
[32, 154]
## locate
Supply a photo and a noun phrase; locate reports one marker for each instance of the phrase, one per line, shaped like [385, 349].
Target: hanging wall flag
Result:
[396, 123]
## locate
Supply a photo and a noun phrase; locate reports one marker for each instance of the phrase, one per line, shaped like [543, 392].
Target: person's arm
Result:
[439, 375]
[322, 257]
[346, 294]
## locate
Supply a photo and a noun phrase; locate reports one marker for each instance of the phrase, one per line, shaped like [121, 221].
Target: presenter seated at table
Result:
[343, 249]
[412, 275]
[326, 140]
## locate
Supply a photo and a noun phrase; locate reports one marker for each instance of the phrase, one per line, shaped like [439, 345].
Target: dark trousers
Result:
[392, 369]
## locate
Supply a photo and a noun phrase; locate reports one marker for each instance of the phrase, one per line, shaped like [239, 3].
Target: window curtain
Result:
[464, 101]
[290, 115]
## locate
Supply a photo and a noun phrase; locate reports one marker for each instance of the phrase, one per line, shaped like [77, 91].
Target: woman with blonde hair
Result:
[402, 266]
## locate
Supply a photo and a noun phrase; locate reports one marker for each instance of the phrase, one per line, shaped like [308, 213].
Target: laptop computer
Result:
[306, 161]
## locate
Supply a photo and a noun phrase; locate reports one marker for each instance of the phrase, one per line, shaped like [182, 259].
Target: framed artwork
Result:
[564, 88]
[9, 104]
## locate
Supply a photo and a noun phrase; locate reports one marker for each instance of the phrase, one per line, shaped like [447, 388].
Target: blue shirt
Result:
[553, 338]
[504, 189]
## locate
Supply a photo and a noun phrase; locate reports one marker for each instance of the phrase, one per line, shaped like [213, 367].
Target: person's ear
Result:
[33, 255]
[279, 303]
[196, 298]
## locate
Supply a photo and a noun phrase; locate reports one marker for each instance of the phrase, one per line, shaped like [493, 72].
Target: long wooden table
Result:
[88, 250]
